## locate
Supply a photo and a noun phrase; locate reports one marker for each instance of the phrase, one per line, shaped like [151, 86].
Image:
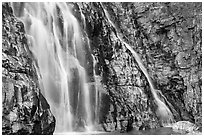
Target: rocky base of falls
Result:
[185, 127]
[24, 109]
[168, 38]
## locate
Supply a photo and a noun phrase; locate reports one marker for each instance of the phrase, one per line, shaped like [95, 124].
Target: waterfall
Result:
[97, 98]
[162, 111]
[56, 43]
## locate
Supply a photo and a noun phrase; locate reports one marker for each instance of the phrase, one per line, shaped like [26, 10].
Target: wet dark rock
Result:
[122, 79]
[168, 38]
[24, 109]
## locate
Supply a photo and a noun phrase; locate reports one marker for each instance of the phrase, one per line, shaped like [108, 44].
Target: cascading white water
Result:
[96, 91]
[56, 42]
[162, 111]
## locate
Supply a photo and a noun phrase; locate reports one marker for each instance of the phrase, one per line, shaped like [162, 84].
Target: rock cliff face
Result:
[168, 38]
[129, 105]
[24, 109]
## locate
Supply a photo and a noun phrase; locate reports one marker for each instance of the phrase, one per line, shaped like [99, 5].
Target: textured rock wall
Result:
[168, 37]
[24, 109]
[130, 103]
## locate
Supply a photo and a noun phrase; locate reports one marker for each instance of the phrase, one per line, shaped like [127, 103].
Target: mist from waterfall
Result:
[55, 40]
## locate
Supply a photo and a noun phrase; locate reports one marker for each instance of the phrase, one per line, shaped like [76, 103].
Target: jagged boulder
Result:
[24, 109]
[185, 127]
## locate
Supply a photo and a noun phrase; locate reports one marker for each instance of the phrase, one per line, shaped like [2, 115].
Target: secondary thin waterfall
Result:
[56, 43]
[97, 98]
[162, 111]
